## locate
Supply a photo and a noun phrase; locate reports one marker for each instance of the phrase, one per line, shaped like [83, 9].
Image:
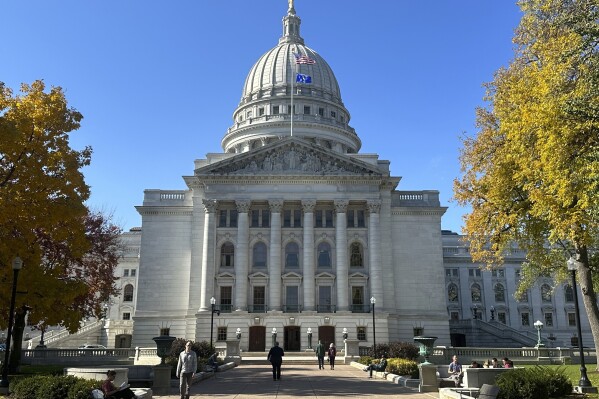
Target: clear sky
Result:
[157, 81]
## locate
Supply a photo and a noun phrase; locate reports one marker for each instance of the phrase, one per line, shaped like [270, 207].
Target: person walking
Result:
[332, 354]
[275, 357]
[186, 369]
[320, 355]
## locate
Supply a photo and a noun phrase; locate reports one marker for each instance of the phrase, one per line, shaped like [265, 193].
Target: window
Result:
[233, 218]
[275, 110]
[259, 255]
[306, 110]
[568, 293]
[571, 319]
[222, 218]
[474, 272]
[127, 316]
[226, 299]
[324, 255]
[221, 335]
[475, 293]
[286, 218]
[451, 272]
[325, 303]
[357, 299]
[356, 258]
[297, 218]
[133, 272]
[292, 298]
[499, 293]
[259, 299]
[546, 293]
[289, 109]
[523, 297]
[361, 333]
[261, 111]
[260, 218]
[248, 114]
[324, 218]
[227, 255]
[452, 293]
[525, 319]
[227, 218]
[342, 119]
[498, 273]
[126, 273]
[548, 319]
[333, 114]
[128, 293]
[355, 218]
[321, 111]
[292, 255]
[501, 316]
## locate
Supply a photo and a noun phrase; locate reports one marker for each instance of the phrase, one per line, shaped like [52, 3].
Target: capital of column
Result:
[308, 206]
[211, 205]
[243, 206]
[374, 206]
[275, 205]
[341, 206]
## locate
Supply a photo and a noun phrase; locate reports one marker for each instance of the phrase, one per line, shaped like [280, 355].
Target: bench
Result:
[485, 392]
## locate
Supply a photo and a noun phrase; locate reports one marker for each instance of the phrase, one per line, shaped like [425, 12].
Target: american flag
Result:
[303, 59]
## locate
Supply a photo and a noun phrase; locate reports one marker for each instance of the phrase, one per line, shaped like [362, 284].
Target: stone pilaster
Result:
[207, 283]
[308, 254]
[342, 265]
[275, 262]
[242, 254]
[374, 237]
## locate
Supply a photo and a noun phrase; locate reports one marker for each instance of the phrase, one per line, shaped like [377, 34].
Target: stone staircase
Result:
[307, 357]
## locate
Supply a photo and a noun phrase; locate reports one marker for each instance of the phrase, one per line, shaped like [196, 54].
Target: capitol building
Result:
[291, 228]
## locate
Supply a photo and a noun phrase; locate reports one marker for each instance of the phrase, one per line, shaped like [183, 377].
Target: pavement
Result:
[255, 381]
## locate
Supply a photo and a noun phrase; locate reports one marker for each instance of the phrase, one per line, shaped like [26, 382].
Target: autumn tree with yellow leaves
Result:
[69, 253]
[531, 173]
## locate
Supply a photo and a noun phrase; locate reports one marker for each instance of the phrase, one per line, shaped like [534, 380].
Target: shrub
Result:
[52, 387]
[403, 350]
[202, 350]
[26, 388]
[534, 383]
[82, 388]
[403, 367]
[365, 360]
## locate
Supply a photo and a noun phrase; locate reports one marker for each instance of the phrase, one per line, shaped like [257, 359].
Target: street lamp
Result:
[238, 333]
[492, 312]
[344, 333]
[17, 264]
[539, 326]
[214, 310]
[584, 381]
[475, 312]
[309, 338]
[274, 336]
[372, 302]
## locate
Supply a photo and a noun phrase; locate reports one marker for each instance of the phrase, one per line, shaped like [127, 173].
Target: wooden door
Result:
[326, 335]
[292, 338]
[257, 339]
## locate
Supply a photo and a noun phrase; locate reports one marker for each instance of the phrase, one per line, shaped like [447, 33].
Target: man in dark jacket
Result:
[275, 357]
[380, 366]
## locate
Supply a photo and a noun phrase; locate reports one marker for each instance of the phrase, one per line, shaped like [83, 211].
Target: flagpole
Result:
[292, 79]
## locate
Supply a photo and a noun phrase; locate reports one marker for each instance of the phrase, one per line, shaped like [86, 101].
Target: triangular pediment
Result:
[289, 156]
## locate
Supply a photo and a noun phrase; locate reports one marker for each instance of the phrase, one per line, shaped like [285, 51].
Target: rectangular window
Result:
[248, 114]
[498, 273]
[357, 299]
[525, 318]
[222, 218]
[292, 298]
[289, 109]
[321, 111]
[325, 303]
[125, 272]
[287, 218]
[454, 315]
[333, 114]
[318, 222]
[306, 110]
[502, 317]
[133, 272]
[572, 319]
[361, 333]
[329, 218]
[549, 319]
[261, 111]
[221, 335]
[255, 218]
[297, 218]
[275, 110]
[452, 272]
[226, 299]
[127, 316]
[361, 218]
[260, 218]
[265, 218]
[233, 218]
[259, 299]
[350, 218]
[474, 272]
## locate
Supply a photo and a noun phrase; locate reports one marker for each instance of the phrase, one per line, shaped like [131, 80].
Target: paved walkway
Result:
[253, 381]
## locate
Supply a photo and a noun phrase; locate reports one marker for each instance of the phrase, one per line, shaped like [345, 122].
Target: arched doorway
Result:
[326, 335]
[257, 339]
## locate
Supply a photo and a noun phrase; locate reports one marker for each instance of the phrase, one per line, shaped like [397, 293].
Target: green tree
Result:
[531, 173]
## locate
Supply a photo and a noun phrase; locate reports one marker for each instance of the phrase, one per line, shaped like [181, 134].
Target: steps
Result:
[304, 358]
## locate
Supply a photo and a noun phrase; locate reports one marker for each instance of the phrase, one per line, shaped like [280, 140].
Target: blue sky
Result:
[158, 81]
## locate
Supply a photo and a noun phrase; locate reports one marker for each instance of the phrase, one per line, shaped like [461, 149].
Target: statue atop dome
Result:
[291, 10]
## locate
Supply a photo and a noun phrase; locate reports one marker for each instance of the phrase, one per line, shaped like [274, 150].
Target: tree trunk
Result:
[589, 297]
[17, 337]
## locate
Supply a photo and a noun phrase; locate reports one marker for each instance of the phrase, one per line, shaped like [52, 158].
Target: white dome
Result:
[263, 114]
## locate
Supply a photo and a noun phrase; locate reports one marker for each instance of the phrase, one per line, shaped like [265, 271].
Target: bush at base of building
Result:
[534, 383]
[403, 367]
[52, 387]
[402, 350]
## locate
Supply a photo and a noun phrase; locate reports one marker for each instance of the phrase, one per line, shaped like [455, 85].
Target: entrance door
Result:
[257, 339]
[292, 338]
[326, 335]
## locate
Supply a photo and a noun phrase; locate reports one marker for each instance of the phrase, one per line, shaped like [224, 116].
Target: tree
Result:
[69, 253]
[531, 174]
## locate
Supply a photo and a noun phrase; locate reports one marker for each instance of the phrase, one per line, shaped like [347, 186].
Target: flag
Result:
[303, 59]
[301, 78]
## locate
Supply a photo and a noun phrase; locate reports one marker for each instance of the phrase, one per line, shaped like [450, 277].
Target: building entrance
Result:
[292, 338]
[326, 335]
[257, 339]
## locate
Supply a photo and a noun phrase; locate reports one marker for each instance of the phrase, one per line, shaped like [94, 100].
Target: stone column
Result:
[207, 283]
[374, 238]
[308, 254]
[275, 263]
[342, 258]
[242, 257]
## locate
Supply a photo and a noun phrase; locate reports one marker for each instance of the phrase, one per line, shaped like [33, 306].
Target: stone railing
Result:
[76, 356]
[56, 335]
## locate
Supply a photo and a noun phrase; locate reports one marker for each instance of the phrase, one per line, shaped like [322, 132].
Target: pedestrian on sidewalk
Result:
[320, 354]
[275, 357]
[332, 354]
[186, 369]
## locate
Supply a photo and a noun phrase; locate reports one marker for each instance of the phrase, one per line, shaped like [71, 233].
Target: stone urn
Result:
[163, 346]
[426, 347]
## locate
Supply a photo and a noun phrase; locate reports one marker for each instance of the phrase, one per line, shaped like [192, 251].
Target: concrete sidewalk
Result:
[253, 381]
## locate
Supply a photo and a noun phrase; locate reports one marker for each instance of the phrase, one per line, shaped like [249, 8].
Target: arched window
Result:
[546, 293]
[499, 292]
[569, 293]
[324, 255]
[452, 293]
[227, 255]
[128, 293]
[260, 255]
[475, 292]
[292, 255]
[356, 259]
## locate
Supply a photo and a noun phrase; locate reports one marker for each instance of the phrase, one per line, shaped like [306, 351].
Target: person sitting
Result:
[495, 363]
[112, 392]
[380, 366]
[212, 362]
[475, 365]
[455, 371]
[507, 363]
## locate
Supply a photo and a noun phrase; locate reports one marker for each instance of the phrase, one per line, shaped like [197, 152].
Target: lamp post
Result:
[17, 264]
[238, 333]
[584, 381]
[372, 302]
[344, 333]
[475, 312]
[274, 336]
[214, 310]
[309, 338]
[492, 312]
[539, 326]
